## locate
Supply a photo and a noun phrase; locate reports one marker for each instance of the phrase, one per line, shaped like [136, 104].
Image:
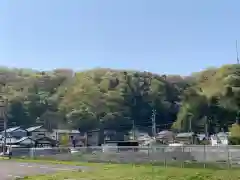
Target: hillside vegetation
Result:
[114, 99]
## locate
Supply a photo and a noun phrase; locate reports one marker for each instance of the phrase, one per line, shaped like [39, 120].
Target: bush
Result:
[234, 140]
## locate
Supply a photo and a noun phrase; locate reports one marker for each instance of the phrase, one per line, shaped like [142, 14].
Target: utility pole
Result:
[5, 124]
[133, 130]
[237, 51]
[190, 124]
[3, 109]
[154, 123]
[206, 126]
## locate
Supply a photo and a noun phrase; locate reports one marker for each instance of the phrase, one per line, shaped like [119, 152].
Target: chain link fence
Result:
[183, 156]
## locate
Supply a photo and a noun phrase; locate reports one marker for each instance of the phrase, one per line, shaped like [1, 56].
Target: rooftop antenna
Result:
[237, 51]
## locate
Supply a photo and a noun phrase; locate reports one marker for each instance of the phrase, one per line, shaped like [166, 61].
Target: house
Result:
[112, 135]
[165, 137]
[74, 136]
[37, 132]
[219, 139]
[24, 142]
[16, 132]
[57, 134]
[95, 137]
[187, 138]
[136, 134]
[45, 142]
[9, 140]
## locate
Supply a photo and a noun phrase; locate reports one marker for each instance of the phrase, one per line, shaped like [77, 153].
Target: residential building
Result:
[187, 138]
[165, 137]
[45, 142]
[135, 134]
[57, 134]
[37, 132]
[74, 136]
[15, 132]
[24, 142]
[95, 137]
[219, 139]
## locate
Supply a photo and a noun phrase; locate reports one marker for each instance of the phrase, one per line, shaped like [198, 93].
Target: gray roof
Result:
[33, 128]
[9, 130]
[22, 139]
[12, 129]
[165, 134]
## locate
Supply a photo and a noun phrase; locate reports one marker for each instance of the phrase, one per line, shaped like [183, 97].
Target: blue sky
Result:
[171, 36]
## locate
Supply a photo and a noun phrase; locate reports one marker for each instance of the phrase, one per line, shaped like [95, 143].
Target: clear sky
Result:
[163, 36]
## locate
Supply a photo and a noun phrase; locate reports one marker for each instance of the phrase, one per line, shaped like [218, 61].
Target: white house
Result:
[219, 139]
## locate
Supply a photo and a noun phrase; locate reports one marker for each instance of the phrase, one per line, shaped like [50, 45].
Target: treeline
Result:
[115, 99]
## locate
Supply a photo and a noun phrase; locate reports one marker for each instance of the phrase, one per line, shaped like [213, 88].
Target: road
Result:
[10, 170]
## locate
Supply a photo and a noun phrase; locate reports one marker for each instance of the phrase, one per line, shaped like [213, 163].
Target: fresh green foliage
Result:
[114, 99]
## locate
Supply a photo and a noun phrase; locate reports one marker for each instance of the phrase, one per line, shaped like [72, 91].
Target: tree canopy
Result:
[118, 99]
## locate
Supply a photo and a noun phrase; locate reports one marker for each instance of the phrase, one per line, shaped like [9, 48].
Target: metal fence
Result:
[184, 156]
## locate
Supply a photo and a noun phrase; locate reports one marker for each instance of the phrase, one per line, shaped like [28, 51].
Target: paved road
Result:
[10, 170]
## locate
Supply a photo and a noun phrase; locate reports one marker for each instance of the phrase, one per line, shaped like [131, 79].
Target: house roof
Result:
[9, 130]
[22, 139]
[165, 134]
[33, 128]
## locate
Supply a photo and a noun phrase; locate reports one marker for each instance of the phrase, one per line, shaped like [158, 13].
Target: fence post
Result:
[204, 156]
[148, 150]
[228, 157]
[182, 161]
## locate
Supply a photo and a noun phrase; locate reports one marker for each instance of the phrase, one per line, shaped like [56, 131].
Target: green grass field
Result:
[139, 172]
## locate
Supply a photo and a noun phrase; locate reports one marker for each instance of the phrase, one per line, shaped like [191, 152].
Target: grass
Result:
[103, 171]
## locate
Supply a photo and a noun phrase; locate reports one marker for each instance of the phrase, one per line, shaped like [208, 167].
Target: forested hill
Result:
[114, 99]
